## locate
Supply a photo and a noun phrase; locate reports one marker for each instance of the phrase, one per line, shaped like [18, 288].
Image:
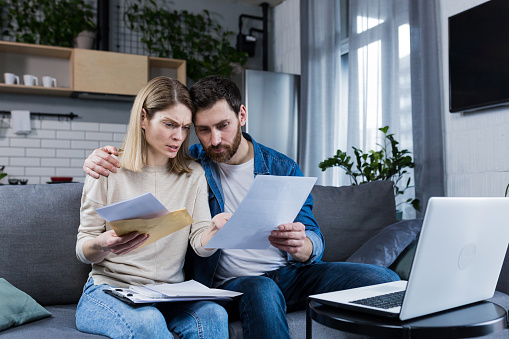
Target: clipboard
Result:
[186, 291]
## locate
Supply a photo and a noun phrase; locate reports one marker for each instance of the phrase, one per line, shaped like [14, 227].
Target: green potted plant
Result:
[196, 38]
[388, 163]
[47, 22]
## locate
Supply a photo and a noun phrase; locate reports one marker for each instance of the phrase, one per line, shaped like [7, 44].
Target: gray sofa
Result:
[38, 225]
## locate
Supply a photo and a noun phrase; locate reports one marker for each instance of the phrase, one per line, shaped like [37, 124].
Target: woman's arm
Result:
[94, 242]
[202, 228]
[217, 222]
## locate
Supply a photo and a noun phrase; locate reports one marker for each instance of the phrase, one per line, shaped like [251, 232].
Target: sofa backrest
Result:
[38, 228]
[348, 216]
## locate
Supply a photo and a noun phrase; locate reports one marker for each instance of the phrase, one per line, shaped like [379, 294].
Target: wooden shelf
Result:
[36, 90]
[82, 70]
[36, 50]
[173, 68]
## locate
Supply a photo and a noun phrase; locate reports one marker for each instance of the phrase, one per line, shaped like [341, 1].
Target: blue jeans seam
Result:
[197, 319]
[109, 309]
[245, 318]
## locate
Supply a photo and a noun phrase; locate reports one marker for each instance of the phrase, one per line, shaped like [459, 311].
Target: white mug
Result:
[11, 79]
[48, 81]
[30, 80]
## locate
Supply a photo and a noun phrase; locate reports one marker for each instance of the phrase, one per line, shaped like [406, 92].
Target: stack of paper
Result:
[186, 291]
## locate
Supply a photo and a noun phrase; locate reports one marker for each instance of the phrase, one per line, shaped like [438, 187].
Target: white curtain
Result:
[320, 119]
[427, 113]
[390, 76]
[379, 78]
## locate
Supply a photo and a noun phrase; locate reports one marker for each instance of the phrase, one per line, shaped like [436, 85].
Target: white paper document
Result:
[185, 291]
[190, 288]
[145, 206]
[271, 201]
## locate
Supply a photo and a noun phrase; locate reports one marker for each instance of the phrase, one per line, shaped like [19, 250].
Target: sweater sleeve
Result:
[201, 217]
[91, 224]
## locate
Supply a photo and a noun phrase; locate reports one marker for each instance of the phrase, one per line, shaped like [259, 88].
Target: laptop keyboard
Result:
[384, 301]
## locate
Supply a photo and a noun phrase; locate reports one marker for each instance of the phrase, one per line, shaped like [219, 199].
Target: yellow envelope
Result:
[157, 227]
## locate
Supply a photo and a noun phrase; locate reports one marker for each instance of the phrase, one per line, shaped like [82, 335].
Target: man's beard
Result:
[229, 150]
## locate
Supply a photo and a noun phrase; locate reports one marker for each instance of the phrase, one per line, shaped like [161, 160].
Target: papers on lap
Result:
[271, 201]
[144, 214]
[185, 291]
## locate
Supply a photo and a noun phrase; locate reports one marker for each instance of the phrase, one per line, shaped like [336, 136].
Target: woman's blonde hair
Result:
[158, 94]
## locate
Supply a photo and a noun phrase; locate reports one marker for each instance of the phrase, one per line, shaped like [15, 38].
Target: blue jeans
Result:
[101, 313]
[266, 299]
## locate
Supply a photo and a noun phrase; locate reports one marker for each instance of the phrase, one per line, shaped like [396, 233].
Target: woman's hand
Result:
[217, 222]
[108, 242]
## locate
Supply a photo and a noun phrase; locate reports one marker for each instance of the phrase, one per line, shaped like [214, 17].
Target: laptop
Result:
[458, 259]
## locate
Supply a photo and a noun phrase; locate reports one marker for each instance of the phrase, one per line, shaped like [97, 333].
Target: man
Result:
[275, 280]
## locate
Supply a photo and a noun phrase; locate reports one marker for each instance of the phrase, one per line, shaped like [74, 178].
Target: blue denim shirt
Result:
[266, 162]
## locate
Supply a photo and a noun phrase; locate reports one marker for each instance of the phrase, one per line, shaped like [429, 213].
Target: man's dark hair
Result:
[209, 90]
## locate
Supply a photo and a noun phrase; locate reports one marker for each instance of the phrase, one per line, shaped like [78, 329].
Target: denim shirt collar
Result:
[260, 166]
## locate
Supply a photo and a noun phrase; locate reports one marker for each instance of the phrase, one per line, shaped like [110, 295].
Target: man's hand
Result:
[217, 222]
[100, 162]
[108, 242]
[292, 239]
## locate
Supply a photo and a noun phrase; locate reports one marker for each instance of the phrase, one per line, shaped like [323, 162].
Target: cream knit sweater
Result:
[163, 260]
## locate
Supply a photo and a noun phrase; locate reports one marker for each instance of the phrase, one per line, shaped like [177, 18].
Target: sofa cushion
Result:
[351, 215]
[38, 238]
[17, 307]
[62, 324]
[388, 244]
[403, 264]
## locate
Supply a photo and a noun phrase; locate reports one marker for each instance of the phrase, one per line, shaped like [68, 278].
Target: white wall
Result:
[476, 144]
[53, 148]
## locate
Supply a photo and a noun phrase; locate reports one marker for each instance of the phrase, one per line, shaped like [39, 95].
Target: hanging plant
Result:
[46, 22]
[196, 38]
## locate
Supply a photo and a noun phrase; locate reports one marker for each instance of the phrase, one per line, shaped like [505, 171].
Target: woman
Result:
[154, 159]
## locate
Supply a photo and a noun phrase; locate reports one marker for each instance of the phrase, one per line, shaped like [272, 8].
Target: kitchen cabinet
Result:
[81, 70]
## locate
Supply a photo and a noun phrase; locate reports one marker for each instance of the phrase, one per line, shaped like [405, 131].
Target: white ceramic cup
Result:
[48, 81]
[30, 80]
[11, 79]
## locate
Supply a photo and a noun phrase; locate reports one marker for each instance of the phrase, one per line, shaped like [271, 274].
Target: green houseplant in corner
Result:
[388, 163]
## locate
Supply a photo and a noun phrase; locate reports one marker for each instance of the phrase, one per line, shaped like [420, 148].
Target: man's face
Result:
[219, 130]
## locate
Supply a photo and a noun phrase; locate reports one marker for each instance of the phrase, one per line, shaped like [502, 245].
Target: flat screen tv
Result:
[479, 57]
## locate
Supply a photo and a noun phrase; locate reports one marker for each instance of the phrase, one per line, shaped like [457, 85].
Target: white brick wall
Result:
[53, 148]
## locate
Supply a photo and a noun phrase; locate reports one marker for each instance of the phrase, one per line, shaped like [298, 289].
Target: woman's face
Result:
[165, 133]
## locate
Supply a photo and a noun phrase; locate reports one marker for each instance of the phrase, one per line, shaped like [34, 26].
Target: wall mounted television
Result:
[479, 57]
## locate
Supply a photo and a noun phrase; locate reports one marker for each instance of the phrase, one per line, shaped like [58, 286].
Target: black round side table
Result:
[473, 320]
